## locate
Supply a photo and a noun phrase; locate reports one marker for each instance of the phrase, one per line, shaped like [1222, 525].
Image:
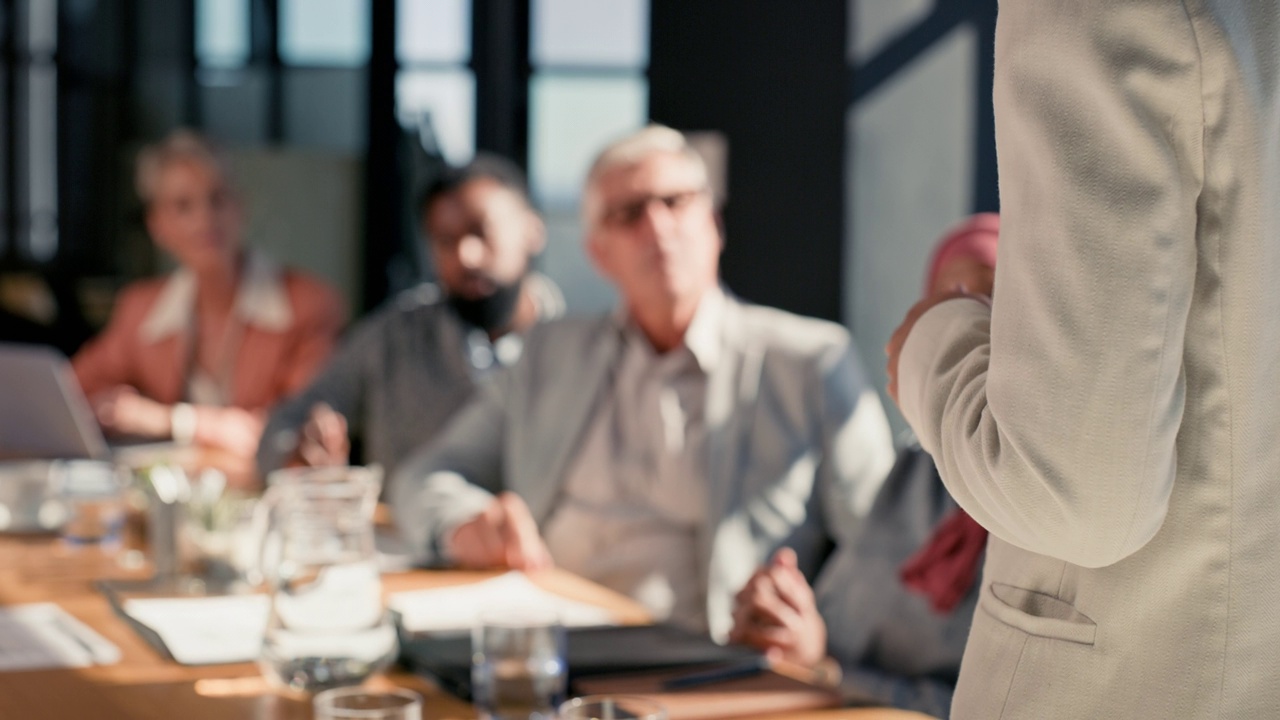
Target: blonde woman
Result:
[199, 355]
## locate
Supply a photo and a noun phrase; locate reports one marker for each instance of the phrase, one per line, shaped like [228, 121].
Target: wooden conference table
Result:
[146, 686]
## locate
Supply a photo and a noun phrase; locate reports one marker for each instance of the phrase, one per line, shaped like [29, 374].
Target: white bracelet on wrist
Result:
[182, 423]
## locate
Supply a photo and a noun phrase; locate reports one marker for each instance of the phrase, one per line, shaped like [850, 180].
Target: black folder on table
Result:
[591, 652]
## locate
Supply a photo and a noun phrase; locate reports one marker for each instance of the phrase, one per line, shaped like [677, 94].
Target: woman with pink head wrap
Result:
[896, 626]
[947, 565]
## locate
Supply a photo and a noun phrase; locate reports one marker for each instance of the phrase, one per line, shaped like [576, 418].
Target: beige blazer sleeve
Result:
[1053, 416]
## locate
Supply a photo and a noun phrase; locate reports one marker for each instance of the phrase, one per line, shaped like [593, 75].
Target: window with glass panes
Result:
[588, 87]
[289, 71]
[233, 86]
[588, 60]
[32, 102]
[435, 88]
[324, 53]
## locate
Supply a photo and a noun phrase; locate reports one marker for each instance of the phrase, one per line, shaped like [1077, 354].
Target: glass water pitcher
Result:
[327, 625]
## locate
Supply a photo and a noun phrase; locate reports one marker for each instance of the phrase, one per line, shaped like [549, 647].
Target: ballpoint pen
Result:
[722, 673]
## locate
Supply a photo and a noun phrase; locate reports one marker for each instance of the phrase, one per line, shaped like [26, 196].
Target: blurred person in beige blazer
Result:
[1113, 419]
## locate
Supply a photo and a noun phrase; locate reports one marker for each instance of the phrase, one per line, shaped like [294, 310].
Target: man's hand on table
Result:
[323, 440]
[504, 535]
[776, 612]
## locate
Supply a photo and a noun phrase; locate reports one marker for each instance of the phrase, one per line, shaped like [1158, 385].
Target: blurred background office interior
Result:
[844, 135]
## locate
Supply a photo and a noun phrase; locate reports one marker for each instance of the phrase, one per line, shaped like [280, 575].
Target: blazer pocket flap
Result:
[1037, 613]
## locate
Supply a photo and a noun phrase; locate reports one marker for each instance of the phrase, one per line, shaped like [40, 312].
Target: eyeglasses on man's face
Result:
[627, 214]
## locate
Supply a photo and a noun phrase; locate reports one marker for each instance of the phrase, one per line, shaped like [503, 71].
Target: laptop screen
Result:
[43, 413]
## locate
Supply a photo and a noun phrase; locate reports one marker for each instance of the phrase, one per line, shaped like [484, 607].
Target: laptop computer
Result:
[44, 420]
[43, 413]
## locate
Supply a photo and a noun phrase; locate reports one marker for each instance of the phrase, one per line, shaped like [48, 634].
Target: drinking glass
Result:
[91, 495]
[217, 527]
[517, 666]
[327, 626]
[355, 703]
[612, 707]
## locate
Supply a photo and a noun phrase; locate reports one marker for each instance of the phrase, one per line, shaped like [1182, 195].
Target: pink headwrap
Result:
[975, 237]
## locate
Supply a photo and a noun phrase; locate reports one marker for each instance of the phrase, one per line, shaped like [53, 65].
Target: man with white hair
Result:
[667, 449]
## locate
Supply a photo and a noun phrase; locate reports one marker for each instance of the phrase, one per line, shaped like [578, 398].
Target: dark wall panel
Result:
[772, 77]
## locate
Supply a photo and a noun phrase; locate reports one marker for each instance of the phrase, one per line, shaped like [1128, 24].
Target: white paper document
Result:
[206, 630]
[43, 635]
[460, 607]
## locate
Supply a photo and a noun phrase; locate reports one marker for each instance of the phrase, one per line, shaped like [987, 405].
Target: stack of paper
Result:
[206, 630]
[43, 635]
[460, 608]
[225, 629]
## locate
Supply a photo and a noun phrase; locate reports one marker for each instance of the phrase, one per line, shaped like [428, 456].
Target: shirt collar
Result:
[547, 298]
[261, 301]
[704, 337]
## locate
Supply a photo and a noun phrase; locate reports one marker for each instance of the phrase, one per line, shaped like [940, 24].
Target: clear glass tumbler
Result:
[518, 666]
[355, 703]
[92, 499]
